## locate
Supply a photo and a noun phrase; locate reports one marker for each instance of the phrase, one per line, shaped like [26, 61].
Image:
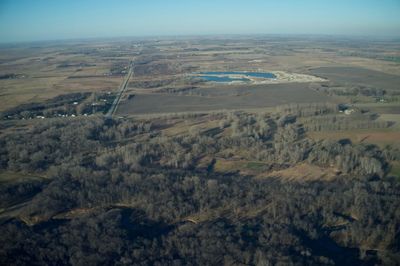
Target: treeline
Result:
[329, 117]
[307, 109]
[357, 91]
[344, 122]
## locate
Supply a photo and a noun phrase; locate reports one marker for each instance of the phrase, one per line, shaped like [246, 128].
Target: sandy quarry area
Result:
[283, 77]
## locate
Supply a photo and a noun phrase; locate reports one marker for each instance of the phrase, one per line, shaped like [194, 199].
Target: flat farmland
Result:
[359, 76]
[164, 70]
[221, 97]
[36, 73]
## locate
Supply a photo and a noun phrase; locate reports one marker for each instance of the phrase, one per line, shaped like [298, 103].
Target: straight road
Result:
[121, 90]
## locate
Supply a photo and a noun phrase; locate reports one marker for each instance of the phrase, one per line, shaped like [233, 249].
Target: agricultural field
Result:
[229, 97]
[356, 76]
[164, 72]
[39, 71]
[167, 80]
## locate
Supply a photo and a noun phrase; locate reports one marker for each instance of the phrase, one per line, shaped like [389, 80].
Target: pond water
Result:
[249, 74]
[223, 78]
[227, 76]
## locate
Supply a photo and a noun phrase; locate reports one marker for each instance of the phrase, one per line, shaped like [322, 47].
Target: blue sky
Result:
[31, 20]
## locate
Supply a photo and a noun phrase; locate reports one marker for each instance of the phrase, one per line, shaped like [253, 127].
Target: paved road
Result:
[121, 90]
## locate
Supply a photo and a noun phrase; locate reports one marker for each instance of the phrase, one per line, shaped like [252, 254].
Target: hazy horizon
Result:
[26, 21]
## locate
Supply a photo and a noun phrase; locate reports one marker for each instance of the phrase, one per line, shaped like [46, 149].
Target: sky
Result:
[35, 20]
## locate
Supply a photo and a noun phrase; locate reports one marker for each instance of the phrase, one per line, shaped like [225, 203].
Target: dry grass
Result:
[380, 137]
[12, 177]
[395, 169]
[245, 167]
[303, 172]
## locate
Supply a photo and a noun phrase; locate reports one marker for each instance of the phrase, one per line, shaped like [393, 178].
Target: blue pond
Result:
[223, 79]
[225, 76]
[249, 74]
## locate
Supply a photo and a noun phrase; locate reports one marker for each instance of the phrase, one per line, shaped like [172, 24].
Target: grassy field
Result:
[303, 172]
[359, 76]
[395, 170]
[12, 177]
[379, 137]
[222, 97]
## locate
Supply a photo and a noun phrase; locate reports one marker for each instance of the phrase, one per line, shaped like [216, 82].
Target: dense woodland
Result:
[122, 192]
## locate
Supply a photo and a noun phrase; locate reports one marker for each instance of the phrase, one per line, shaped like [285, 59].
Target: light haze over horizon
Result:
[35, 20]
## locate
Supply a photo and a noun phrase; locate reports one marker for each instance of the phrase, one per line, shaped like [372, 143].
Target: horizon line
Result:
[166, 36]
